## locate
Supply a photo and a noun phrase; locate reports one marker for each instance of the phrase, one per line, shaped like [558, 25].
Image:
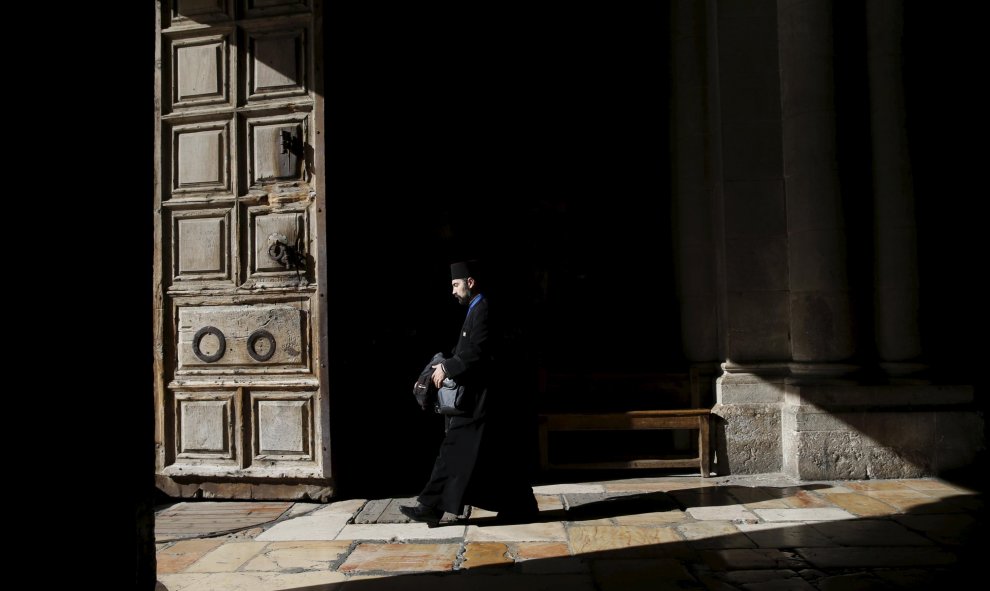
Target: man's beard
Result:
[463, 300]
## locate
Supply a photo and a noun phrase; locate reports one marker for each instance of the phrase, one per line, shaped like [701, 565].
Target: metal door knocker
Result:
[290, 257]
[221, 343]
[253, 340]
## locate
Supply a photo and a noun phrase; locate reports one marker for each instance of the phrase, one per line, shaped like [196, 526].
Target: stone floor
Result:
[757, 533]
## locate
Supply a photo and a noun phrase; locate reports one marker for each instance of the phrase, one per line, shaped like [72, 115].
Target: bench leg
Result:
[703, 452]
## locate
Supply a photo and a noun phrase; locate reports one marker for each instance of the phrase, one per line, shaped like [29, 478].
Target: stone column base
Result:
[851, 432]
[746, 419]
[824, 426]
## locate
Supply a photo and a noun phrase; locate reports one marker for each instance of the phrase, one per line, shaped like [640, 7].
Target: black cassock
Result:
[476, 465]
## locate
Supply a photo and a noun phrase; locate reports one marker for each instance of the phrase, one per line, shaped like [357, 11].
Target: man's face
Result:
[461, 291]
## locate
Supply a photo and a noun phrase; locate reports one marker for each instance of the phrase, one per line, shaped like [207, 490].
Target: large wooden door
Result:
[240, 347]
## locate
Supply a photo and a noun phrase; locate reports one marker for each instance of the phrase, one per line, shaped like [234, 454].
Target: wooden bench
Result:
[693, 418]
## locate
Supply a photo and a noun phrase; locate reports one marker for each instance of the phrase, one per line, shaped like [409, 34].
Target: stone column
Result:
[751, 236]
[823, 340]
[898, 339]
[821, 323]
[693, 185]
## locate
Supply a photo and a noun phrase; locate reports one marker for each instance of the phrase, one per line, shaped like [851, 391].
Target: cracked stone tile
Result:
[181, 554]
[822, 514]
[714, 534]
[736, 513]
[645, 540]
[661, 518]
[307, 555]
[349, 506]
[399, 531]
[401, 558]
[485, 553]
[860, 504]
[552, 531]
[227, 558]
[314, 526]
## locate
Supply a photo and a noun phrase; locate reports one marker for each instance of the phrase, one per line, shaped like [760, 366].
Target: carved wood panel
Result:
[200, 73]
[201, 246]
[276, 63]
[205, 426]
[276, 149]
[259, 337]
[200, 157]
[283, 427]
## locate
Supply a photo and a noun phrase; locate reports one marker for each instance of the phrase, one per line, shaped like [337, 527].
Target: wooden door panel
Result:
[276, 148]
[276, 63]
[199, 72]
[200, 157]
[200, 241]
[252, 338]
[183, 11]
[284, 434]
[205, 427]
[240, 381]
[265, 227]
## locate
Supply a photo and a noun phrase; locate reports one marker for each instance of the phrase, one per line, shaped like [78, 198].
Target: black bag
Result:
[451, 400]
[424, 390]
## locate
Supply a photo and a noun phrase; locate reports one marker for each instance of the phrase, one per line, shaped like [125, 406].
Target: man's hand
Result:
[438, 375]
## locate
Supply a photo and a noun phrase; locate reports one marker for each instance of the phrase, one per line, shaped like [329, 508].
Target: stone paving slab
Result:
[178, 556]
[748, 559]
[313, 526]
[869, 532]
[636, 575]
[737, 513]
[525, 532]
[820, 514]
[714, 534]
[783, 535]
[401, 558]
[372, 510]
[822, 536]
[876, 557]
[387, 511]
[951, 530]
[399, 531]
[295, 555]
[859, 504]
[226, 558]
[645, 540]
[485, 554]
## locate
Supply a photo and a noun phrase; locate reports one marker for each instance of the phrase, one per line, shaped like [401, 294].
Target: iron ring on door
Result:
[221, 349]
[254, 338]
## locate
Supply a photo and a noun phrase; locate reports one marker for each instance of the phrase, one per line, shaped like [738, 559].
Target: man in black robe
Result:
[475, 465]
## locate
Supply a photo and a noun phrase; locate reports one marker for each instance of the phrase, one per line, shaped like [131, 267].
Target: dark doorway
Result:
[534, 138]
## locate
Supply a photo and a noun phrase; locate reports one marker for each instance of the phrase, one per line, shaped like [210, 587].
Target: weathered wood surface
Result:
[203, 519]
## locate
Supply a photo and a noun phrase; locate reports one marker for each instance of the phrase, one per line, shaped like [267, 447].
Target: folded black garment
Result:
[424, 390]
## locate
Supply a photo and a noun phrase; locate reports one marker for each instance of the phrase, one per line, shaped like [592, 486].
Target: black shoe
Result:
[420, 512]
